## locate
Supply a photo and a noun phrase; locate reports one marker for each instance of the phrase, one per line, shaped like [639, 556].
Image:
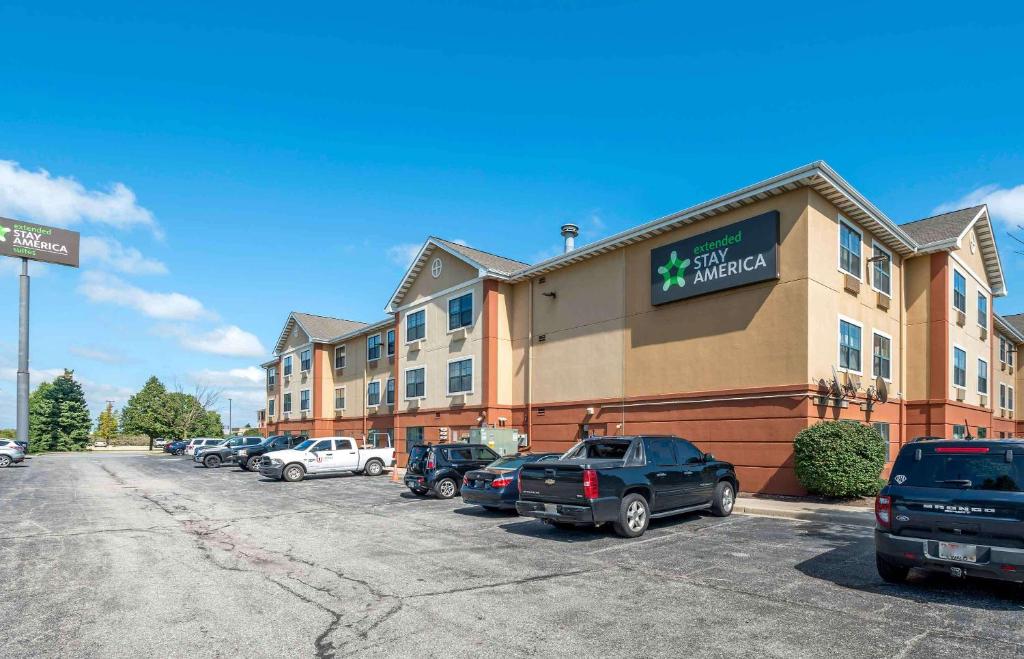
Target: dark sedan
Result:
[496, 486]
[176, 447]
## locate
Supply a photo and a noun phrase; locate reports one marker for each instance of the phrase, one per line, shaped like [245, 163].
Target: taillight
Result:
[465, 481]
[883, 511]
[499, 483]
[590, 490]
[430, 461]
[961, 449]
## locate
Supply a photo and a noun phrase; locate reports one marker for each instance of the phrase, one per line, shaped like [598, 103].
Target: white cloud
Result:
[102, 288]
[1006, 205]
[63, 201]
[112, 254]
[403, 254]
[35, 375]
[98, 354]
[247, 376]
[228, 340]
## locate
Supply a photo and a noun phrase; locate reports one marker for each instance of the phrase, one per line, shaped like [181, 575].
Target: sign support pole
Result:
[23, 379]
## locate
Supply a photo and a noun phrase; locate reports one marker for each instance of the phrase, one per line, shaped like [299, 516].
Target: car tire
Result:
[634, 516]
[293, 473]
[374, 468]
[724, 500]
[5, 461]
[446, 488]
[890, 572]
[420, 492]
[253, 463]
[212, 461]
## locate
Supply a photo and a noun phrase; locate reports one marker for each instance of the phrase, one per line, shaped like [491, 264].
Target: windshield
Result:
[511, 462]
[967, 471]
[611, 449]
[418, 453]
[304, 445]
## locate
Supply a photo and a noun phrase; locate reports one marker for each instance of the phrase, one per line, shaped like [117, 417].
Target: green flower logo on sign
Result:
[673, 271]
[3, 234]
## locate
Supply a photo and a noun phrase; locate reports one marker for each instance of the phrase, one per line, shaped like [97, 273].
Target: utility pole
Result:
[23, 379]
[231, 425]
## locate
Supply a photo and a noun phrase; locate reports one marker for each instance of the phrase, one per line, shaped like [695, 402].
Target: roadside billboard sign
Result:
[27, 240]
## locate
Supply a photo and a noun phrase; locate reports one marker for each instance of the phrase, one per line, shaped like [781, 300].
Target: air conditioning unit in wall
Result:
[983, 400]
[961, 394]
[984, 333]
[459, 334]
[415, 345]
[851, 284]
[413, 404]
[961, 318]
[883, 301]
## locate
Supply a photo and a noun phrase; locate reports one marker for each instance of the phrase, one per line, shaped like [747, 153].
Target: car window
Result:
[688, 453]
[482, 453]
[961, 471]
[302, 446]
[253, 441]
[549, 458]
[660, 452]
[607, 449]
[418, 453]
[343, 444]
[459, 454]
[322, 445]
[511, 462]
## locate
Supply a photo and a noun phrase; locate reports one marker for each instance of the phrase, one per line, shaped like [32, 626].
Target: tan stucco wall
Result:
[505, 360]
[968, 337]
[296, 341]
[1001, 373]
[917, 278]
[454, 272]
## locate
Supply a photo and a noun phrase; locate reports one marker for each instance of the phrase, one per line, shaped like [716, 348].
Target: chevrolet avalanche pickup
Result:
[326, 455]
[953, 506]
[626, 481]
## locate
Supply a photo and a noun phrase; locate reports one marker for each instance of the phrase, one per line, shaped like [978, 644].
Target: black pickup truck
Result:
[626, 481]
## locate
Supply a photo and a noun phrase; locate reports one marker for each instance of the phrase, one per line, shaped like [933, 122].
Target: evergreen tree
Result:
[146, 413]
[59, 418]
[106, 426]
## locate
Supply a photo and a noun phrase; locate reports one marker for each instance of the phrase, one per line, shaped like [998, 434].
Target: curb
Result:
[849, 518]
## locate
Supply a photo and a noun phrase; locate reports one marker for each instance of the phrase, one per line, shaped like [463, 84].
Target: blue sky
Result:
[229, 163]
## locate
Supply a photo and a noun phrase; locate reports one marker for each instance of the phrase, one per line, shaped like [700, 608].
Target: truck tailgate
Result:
[558, 482]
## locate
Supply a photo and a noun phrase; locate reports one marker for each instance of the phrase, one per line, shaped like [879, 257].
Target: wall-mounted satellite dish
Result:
[881, 390]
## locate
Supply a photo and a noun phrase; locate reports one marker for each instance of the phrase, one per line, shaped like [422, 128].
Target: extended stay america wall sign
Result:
[39, 243]
[743, 253]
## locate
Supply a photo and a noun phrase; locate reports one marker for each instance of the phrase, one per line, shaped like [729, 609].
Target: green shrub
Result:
[840, 459]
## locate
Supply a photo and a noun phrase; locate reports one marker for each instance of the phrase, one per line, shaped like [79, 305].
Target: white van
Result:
[193, 444]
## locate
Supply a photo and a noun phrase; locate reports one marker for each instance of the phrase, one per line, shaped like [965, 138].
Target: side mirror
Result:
[708, 457]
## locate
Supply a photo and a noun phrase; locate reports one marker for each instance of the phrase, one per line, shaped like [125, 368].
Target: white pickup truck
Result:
[326, 455]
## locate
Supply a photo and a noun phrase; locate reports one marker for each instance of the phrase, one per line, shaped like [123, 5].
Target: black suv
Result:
[953, 506]
[440, 468]
[248, 457]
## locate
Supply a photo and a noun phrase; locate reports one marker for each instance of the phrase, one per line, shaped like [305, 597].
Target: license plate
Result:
[954, 551]
[550, 508]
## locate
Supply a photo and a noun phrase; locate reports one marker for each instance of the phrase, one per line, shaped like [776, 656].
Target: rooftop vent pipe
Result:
[569, 232]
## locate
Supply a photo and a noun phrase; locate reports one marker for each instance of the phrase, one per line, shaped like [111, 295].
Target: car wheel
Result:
[294, 473]
[890, 572]
[634, 516]
[212, 461]
[5, 461]
[253, 464]
[446, 488]
[420, 492]
[725, 499]
[374, 468]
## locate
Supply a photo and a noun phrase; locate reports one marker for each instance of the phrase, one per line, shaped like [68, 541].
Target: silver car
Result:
[10, 454]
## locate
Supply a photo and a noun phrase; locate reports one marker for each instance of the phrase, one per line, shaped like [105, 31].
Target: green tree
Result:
[59, 418]
[189, 416]
[8, 433]
[146, 413]
[106, 426]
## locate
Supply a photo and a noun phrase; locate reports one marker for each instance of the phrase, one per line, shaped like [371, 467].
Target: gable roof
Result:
[947, 231]
[319, 329]
[486, 264]
[938, 228]
[1014, 323]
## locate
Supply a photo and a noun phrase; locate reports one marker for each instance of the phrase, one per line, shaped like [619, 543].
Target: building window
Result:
[460, 311]
[373, 394]
[1002, 349]
[304, 400]
[287, 365]
[1009, 398]
[416, 326]
[389, 392]
[982, 432]
[982, 310]
[983, 377]
[959, 431]
[959, 292]
[882, 357]
[306, 359]
[339, 398]
[460, 376]
[882, 429]
[373, 348]
[881, 271]
[270, 406]
[1002, 396]
[271, 376]
[340, 357]
[959, 368]
[849, 249]
[849, 346]
[1010, 350]
[287, 405]
[391, 342]
[415, 383]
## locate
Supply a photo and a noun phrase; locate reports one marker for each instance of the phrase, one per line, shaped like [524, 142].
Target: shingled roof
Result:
[493, 262]
[942, 228]
[1015, 321]
[319, 328]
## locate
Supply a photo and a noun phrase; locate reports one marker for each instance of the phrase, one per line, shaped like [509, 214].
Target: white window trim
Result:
[405, 381]
[286, 361]
[393, 331]
[839, 242]
[306, 370]
[988, 376]
[344, 398]
[384, 393]
[952, 290]
[839, 344]
[286, 397]
[308, 398]
[472, 378]
[1002, 395]
[380, 394]
[272, 376]
[966, 268]
[271, 407]
[1009, 398]
[988, 308]
[447, 316]
[892, 353]
[405, 321]
[382, 347]
[877, 245]
[952, 363]
[344, 355]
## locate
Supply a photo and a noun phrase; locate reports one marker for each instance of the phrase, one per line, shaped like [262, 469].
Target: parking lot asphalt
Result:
[136, 555]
